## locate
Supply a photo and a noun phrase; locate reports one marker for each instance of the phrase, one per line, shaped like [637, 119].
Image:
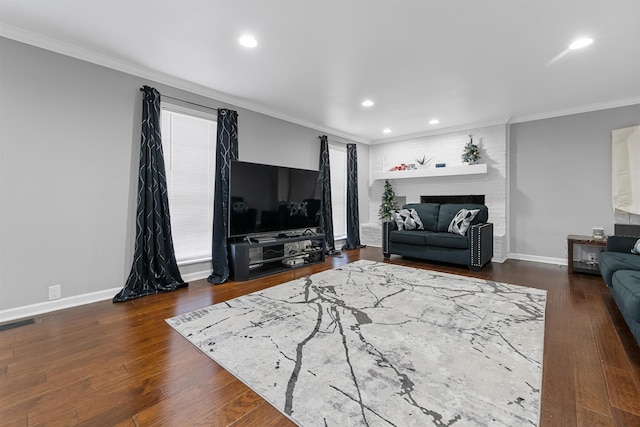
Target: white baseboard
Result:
[74, 301]
[59, 304]
[196, 275]
[536, 258]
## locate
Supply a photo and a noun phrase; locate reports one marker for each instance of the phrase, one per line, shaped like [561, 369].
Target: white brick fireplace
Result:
[444, 148]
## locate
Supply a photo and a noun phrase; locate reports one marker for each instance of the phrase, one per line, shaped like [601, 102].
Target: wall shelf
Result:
[432, 172]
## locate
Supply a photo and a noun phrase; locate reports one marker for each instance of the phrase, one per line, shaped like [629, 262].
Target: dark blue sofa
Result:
[620, 270]
[435, 243]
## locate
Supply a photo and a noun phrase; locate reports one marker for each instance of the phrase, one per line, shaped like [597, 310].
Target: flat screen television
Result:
[265, 199]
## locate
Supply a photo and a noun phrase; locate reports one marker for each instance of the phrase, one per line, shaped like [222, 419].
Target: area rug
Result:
[376, 344]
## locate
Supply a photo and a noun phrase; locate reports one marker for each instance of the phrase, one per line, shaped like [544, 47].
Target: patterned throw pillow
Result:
[636, 248]
[460, 223]
[407, 219]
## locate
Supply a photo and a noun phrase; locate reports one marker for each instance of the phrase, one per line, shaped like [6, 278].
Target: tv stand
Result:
[249, 259]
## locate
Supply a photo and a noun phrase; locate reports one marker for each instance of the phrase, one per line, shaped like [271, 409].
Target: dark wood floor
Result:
[107, 364]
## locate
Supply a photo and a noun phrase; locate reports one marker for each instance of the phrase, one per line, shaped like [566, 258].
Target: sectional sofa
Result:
[620, 269]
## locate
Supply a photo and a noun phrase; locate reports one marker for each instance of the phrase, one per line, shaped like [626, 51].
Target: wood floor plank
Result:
[623, 390]
[192, 405]
[591, 389]
[121, 364]
[607, 339]
[625, 419]
[235, 409]
[558, 397]
[589, 418]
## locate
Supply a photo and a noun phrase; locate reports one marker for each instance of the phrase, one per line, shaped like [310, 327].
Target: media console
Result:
[253, 259]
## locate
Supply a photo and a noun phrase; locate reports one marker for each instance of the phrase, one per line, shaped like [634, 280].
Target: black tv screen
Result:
[268, 199]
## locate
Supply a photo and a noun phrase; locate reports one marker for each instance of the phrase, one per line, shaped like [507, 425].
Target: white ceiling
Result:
[464, 62]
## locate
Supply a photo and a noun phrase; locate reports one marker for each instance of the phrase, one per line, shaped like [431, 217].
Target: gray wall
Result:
[560, 179]
[69, 147]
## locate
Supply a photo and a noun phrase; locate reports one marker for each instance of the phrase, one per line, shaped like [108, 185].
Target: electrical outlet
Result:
[55, 292]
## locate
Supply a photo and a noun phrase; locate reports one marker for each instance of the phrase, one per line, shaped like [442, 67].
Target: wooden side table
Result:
[582, 266]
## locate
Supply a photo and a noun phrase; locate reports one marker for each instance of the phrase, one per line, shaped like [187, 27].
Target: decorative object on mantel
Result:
[471, 153]
[388, 204]
[441, 165]
[424, 162]
[403, 167]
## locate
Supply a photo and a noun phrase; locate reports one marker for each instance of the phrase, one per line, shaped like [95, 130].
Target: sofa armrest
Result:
[620, 243]
[481, 243]
[387, 228]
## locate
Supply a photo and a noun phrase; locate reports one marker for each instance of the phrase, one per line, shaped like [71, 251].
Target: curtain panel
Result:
[353, 214]
[154, 269]
[226, 151]
[326, 209]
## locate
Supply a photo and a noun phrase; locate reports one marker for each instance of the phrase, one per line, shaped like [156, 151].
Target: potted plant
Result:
[471, 153]
[387, 206]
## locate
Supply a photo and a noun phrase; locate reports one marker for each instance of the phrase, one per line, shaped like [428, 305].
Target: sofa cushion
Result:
[460, 223]
[407, 219]
[626, 290]
[610, 262]
[636, 248]
[413, 237]
[428, 213]
[449, 210]
[448, 240]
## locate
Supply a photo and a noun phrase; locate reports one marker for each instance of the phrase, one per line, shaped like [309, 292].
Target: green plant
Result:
[471, 153]
[388, 204]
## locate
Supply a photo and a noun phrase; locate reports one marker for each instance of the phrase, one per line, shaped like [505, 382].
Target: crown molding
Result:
[577, 110]
[441, 131]
[74, 51]
[87, 55]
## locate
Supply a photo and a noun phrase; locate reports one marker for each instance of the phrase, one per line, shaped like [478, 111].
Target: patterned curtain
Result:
[226, 151]
[327, 219]
[353, 221]
[154, 268]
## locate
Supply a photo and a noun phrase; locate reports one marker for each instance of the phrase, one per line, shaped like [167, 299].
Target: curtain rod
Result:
[187, 102]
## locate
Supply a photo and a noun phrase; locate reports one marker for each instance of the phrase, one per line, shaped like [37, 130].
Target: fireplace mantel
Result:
[431, 172]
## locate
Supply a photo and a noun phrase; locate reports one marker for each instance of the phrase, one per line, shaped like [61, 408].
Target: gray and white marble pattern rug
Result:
[377, 344]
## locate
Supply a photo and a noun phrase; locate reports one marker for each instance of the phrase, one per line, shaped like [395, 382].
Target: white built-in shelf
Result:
[431, 171]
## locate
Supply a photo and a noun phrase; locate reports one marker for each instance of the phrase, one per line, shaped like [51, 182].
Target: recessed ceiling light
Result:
[580, 43]
[367, 103]
[434, 121]
[248, 41]
[386, 130]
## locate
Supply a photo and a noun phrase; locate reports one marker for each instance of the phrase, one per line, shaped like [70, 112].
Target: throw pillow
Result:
[636, 248]
[407, 219]
[460, 223]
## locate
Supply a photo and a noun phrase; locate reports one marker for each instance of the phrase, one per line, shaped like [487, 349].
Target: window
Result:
[338, 165]
[188, 144]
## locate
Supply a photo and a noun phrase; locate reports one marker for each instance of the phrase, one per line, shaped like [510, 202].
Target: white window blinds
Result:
[188, 143]
[338, 165]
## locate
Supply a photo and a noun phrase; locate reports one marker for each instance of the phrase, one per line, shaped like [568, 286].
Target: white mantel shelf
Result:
[432, 172]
